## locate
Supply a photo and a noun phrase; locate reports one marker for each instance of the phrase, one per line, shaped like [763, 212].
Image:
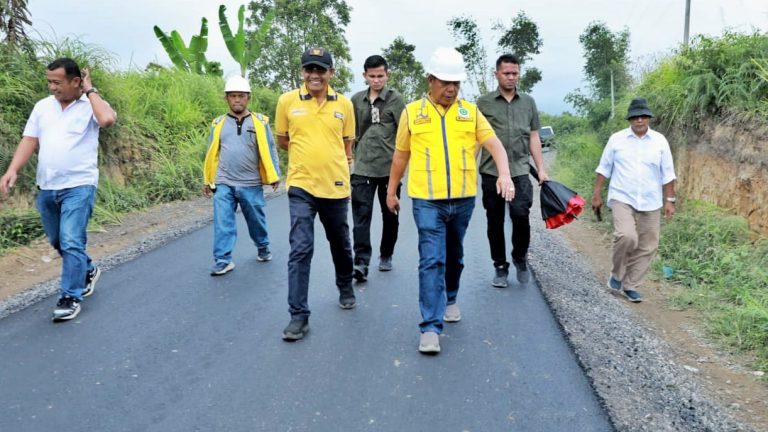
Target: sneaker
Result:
[347, 298]
[90, 281]
[264, 255]
[429, 343]
[452, 313]
[296, 329]
[67, 308]
[500, 278]
[361, 272]
[222, 268]
[632, 296]
[523, 273]
[613, 283]
[385, 263]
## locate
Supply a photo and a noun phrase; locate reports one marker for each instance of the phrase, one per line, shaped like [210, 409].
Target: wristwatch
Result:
[92, 90]
[671, 199]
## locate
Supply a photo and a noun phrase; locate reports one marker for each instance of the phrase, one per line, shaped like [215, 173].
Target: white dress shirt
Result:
[638, 168]
[69, 143]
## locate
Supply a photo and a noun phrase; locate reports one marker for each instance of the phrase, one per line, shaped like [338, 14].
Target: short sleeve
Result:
[484, 131]
[349, 121]
[281, 118]
[535, 123]
[32, 128]
[403, 139]
[605, 167]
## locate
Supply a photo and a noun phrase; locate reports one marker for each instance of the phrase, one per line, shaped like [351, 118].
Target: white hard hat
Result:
[237, 84]
[447, 64]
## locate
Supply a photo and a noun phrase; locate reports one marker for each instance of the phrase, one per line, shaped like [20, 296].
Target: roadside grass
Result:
[720, 265]
[723, 266]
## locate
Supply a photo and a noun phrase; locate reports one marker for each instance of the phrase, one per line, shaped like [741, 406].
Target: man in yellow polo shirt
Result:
[438, 138]
[317, 127]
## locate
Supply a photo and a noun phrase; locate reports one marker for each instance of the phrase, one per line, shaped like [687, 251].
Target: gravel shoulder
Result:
[652, 372]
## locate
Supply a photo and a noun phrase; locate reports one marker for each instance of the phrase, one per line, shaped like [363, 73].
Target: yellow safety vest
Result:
[442, 162]
[269, 167]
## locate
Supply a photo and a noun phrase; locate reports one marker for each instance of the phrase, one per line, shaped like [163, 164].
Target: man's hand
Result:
[543, 176]
[7, 181]
[393, 203]
[505, 188]
[597, 202]
[669, 210]
[87, 85]
[207, 191]
[275, 185]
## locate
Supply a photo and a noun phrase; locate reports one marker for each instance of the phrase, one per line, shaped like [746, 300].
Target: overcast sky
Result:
[656, 27]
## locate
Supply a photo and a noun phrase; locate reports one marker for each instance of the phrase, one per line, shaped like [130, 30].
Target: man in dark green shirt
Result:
[515, 119]
[377, 112]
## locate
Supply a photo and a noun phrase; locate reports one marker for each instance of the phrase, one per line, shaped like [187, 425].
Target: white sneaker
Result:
[452, 313]
[429, 343]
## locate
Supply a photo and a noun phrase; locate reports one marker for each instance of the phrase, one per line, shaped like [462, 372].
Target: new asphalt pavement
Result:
[163, 346]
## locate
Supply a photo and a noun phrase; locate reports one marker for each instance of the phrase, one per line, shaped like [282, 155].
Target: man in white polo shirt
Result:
[65, 128]
[639, 163]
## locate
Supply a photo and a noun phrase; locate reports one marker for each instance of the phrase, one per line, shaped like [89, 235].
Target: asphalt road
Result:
[163, 346]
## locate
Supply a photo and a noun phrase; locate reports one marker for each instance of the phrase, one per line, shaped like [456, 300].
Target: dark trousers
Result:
[519, 209]
[363, 192]
[333, 215]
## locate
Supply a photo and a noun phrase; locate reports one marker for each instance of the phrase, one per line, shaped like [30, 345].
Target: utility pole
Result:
[687, 21]
[613, 102]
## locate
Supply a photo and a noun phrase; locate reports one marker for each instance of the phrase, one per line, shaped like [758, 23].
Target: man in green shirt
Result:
[377, 113]
[515, 119]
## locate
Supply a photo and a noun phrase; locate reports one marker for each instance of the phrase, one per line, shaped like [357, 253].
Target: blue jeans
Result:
[442, 225]
[225, 201]
[303, 207]
[65, 215]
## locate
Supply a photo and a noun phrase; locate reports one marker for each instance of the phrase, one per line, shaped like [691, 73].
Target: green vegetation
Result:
[153, 154]
[718, 264]
[244, 50]
[192, 58]
[715, 77]
[724, 269]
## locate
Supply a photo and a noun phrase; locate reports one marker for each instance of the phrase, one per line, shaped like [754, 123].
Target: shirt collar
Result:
[382, 94]
[304, 93]
[497, 94]
[631, 134]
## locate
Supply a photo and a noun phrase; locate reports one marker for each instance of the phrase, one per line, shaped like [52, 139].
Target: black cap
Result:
[317, 56]
[638, 108]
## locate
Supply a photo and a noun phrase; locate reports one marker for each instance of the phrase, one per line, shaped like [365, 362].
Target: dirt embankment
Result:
[727, 164]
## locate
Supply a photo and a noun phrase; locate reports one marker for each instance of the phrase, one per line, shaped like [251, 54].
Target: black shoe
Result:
[67, 308]
[296, 329]
[90, 281]
[347, 298]
[500, 277]
[361, 272]
[523, 273]
[385, 263]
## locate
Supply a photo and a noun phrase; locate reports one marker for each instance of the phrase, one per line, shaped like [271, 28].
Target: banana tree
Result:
[242, 50]
[192, 58]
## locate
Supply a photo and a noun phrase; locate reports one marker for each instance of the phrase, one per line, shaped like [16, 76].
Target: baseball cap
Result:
[317, 56]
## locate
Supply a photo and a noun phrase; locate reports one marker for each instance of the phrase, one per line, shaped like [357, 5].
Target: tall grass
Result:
[715, 77]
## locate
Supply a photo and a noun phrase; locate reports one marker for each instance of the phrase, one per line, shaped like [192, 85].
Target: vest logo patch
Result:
[463, 115]
[338, 115]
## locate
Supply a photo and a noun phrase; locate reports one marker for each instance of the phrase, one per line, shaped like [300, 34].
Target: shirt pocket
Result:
[77, 126]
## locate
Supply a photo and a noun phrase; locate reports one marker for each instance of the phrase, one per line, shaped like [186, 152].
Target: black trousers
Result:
[364, 189]
[519, 209]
